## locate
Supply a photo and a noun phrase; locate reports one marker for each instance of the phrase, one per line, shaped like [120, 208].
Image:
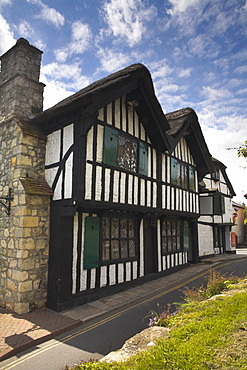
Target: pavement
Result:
[21, 332]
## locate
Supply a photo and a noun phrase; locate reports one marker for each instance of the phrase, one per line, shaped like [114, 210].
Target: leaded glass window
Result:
[171, 236]
[127, 154]
[118, 238]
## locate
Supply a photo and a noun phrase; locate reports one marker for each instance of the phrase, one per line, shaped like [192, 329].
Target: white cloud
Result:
[50, 15]
[6, 36]
[241, 69]
[218, 140]
[67, 76]
[81, 36]
[126, 19]
[215, 95]
[4, 2]
[112, 60]
[185, 72]
[180, 6]
[25, 29]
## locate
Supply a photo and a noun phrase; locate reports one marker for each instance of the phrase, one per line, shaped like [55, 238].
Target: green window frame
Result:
[174, 171]
[182, 174]
[110, 151]
[91, 243]
[192, 178]
[123, 152]
[143, 159]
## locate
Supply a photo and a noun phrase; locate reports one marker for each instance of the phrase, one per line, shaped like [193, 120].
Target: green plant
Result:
[216, 282]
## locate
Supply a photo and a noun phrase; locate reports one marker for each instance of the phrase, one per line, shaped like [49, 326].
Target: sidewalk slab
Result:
[21, 332]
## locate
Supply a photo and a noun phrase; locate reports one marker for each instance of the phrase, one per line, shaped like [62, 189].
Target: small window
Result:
[118, 238]
[171, 236]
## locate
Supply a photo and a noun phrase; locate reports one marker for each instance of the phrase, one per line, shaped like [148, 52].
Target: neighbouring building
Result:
[238, 219]
[216, 218]
[106, 188]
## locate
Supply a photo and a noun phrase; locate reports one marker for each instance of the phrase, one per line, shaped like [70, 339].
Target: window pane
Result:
[164, 229]
[123, 227]
[164, 245]
[124, 248]
[131, 228]
[184, 176]
[132, 249]
[169, 244]
[106, 250]
[114, 249]
[168, 228]
[174, 243]
[115, 227]
[106, 227]
[127, 154]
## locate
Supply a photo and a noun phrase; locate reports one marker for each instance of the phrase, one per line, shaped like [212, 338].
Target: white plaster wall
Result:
[205, 236]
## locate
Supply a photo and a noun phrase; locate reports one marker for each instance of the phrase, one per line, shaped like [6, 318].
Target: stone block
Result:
[29, 221]
[25, 286]
[11, 285]
[20, 308]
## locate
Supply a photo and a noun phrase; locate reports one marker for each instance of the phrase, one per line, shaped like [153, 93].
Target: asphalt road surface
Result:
[98, 337]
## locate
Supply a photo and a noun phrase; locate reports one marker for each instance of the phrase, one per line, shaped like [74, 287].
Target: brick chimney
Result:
[21, 93]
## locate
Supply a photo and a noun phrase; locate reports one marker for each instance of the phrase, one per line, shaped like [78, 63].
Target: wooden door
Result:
[150, 250]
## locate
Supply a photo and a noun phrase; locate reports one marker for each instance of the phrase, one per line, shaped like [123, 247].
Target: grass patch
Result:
[210, 334]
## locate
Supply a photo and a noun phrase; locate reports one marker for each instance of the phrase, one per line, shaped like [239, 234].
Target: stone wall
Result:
[24, 234]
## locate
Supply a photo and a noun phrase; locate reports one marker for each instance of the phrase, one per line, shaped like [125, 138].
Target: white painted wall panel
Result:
[93, 279]
[98, 184]
[58, 189]
[68, 180]
[116, 186]
[68, 137]
[100, 138]
[89, 155]
[143, 192]
[88, 181]
[130, 187]
[134, 266]
[112, 272]
[120, 272]
[128, 271]
[103, 276]
[155, 194]
[107, 184]
[53, 143]
[122, 187]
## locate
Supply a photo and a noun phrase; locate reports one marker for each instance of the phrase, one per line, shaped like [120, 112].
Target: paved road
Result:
[107, 333]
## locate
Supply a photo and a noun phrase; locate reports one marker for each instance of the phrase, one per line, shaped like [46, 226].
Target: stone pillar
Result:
[24, 235]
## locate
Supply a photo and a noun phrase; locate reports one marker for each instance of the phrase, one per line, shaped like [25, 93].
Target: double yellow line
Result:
[49, 346]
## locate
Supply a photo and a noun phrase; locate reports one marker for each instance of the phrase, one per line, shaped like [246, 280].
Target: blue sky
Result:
[196, 51]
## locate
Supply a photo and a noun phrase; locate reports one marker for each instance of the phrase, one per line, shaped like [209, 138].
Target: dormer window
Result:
[182, 174]
[216, 175]
[124, 152]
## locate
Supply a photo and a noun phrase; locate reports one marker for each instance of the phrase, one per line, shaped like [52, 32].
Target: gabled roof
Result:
[222, 167]
[135, 81]
[184, 123]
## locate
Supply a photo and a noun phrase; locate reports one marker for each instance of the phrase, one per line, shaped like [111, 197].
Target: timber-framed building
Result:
[123, 181]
